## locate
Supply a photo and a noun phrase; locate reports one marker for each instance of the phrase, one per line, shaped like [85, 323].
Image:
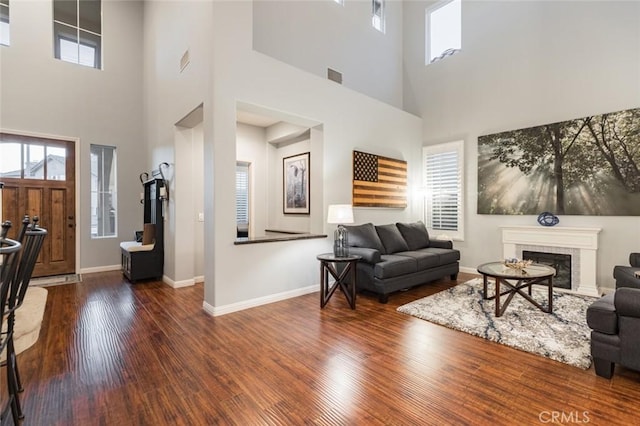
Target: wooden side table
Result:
[328, 263]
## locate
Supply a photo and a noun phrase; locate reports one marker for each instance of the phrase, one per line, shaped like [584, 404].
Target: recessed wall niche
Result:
[264, 139]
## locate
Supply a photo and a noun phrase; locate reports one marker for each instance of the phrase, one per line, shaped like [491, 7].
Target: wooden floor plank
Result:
[113, 353]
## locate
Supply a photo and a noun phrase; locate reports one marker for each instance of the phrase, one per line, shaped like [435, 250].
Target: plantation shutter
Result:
[443, 190]
[242, 193]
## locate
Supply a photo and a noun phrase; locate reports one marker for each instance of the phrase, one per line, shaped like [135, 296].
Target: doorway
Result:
[39, 180]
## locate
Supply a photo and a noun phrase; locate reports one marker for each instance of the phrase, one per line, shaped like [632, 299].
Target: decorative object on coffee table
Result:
[548, 219]
[340, 214]
[515, 263]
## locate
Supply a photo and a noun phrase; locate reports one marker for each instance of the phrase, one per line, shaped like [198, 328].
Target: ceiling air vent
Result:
[334, 75]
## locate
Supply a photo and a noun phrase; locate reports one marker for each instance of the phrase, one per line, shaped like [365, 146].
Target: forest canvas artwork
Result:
[587, 166]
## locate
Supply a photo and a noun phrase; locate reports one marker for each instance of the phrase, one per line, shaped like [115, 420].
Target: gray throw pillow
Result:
[415, 234]
[364, 236]
[391, 238]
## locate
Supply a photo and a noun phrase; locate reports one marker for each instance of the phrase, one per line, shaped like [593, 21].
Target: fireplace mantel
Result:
[583, 240]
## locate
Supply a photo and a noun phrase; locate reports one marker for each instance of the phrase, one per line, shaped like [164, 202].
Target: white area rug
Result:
[562, 335]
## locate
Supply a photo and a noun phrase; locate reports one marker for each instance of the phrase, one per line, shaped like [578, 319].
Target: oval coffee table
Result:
[536, 273]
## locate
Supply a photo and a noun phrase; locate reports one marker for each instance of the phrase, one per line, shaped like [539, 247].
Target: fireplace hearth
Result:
[560, 262]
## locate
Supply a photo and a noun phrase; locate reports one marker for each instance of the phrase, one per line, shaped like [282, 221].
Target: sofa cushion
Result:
[391, 238]
[446, 255]
[424, 259]
[415, 234]
[364, 236]
[393, 266]
[601, 315]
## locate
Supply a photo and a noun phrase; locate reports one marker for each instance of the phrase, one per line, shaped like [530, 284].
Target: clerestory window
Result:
[5, 38]
[77, 31]
[443, 30]
[378, 15]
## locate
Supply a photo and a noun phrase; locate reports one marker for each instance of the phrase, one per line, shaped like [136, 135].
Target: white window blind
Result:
[242, 193]
[443, 184]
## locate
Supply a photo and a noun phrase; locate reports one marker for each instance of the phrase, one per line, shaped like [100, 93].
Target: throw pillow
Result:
[415, 234]
[391, 238]
[364, 236]
[148, 234]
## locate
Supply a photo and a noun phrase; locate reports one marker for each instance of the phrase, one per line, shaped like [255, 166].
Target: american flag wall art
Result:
[379, 181]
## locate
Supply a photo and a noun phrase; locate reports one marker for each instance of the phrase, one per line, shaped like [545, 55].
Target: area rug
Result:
[56, 280]
[562, 335]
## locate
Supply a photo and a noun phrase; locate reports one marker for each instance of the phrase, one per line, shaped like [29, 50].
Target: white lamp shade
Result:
[340, 213]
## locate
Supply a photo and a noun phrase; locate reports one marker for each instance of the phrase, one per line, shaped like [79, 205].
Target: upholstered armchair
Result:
[615, 331]
[625, 275]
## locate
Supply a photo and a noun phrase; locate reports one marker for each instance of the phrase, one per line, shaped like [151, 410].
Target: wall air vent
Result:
[334, 75]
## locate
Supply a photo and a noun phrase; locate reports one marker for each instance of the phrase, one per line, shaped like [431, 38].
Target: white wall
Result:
[321, 34]
[171, 98]
[40, 94]
[524, 64]
[350, 121]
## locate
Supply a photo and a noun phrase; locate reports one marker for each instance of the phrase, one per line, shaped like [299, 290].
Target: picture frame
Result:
[296, 184]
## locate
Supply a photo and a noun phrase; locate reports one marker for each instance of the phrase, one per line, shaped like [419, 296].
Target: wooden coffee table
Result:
[524, 279]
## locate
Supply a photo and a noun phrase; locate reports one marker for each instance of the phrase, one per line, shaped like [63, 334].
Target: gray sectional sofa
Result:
[399, 256]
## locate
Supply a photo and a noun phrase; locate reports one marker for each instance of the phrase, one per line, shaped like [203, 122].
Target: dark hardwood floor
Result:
[112, 353]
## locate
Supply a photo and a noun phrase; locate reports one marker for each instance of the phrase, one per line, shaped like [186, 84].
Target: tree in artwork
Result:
[587, 166]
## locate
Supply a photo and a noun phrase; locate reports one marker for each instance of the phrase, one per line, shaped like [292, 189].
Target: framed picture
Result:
[295, 175]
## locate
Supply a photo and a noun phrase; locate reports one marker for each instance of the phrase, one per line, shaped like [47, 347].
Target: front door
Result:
[39, 180]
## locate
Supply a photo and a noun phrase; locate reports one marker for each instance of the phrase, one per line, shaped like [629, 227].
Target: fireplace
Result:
[560, 262]
[580, 243]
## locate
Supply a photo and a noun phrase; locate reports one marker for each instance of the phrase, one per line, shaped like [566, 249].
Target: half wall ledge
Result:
[274, 236]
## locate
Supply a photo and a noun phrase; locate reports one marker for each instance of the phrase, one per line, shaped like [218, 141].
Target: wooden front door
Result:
[39, 180]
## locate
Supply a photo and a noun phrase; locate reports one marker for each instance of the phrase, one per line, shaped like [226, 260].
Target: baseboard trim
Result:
[468, 270]
[178, 284]
[199, 279]
[94, 269]
[252, 303]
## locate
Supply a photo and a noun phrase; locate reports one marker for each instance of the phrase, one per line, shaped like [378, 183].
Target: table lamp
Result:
[340, 214]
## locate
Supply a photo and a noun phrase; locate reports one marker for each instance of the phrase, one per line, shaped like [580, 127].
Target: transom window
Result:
[32, 160]
[443, 30]
[77, 31]
[4, 23]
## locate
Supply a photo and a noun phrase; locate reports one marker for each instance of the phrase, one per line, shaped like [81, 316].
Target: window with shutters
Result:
[443, 181]
[242, 194]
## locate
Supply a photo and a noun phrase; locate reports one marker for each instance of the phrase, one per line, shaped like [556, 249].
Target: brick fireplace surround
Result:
[581, 243]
